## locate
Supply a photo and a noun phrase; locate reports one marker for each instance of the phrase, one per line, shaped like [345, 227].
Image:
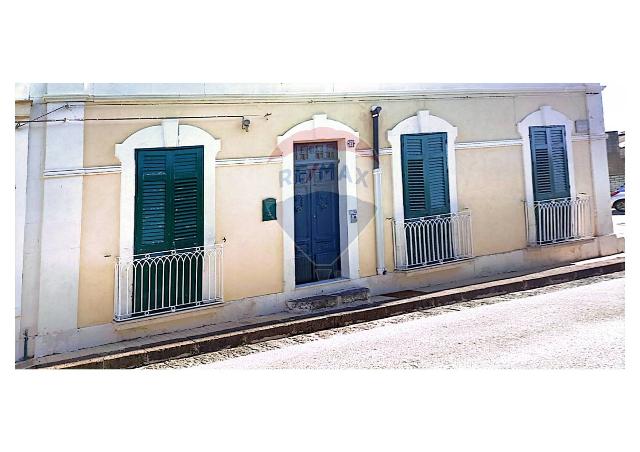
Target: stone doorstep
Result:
[128, 354]
[321, 302]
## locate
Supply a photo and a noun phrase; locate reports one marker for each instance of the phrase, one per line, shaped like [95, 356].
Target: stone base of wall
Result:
[615, 181]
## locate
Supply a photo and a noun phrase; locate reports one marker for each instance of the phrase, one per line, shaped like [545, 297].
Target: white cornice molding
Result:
[242, 161]
[89, 171]
[488, 144]
[483, 144]
[369, 152]
[114, 169]
[477, 90]
[593, 137]
[64, 98]
[249, 161]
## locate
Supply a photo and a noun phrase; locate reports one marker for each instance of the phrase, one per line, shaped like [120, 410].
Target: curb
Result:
[190, 346]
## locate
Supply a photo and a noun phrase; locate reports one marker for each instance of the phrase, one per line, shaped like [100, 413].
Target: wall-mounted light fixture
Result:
[245, 124]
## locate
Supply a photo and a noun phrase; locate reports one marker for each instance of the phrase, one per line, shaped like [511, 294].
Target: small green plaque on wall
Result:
[268, 209]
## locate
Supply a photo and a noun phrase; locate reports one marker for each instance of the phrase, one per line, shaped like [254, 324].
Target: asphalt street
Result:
[574, 325]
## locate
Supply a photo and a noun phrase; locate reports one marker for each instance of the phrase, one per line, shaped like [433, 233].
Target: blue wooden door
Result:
[316, 206]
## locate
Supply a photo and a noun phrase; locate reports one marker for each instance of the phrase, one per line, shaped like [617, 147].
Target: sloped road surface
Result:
[573, 325]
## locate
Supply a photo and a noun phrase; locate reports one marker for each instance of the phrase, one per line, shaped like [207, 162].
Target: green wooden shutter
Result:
[549, 162]
[169, 199]
[437, 173]
[425, 174]
[153, 189]
[413, 177]
[187, 198]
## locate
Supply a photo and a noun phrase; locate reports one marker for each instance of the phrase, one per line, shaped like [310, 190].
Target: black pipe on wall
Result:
[375, 113]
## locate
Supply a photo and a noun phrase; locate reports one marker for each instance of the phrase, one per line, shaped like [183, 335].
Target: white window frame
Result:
[422, 122]
[169, 134]
[544, 116]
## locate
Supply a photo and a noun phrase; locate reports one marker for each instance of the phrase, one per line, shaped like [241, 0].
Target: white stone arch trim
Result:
[318, 121]
[544, 116]
[169, 134]
[321, 128]
[422, 122]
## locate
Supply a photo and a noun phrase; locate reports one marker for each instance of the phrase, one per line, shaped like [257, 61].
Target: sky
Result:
[613, 104]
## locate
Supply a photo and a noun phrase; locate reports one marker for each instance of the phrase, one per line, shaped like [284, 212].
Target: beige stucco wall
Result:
[477, 119]
[582, 165]
[252, 247]
[99, 246]
[260, 141]
[366, 223]
[491, 184]
[572, 105]
[489, 181]
[23, 109]
[387, 211]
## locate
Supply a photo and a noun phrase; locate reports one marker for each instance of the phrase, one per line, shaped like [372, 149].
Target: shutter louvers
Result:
[413, 173]
[559, 162]
[549, 161]
[169, 204]
[186, 202]
[425, 174]
[153, 187]
[437, 173]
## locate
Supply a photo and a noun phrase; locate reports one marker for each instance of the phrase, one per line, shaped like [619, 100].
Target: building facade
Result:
[615, 158]
[144, 209]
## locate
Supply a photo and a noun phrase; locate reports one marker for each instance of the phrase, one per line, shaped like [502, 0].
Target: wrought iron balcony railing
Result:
[167, 281]
[434, 240]
[559, 220]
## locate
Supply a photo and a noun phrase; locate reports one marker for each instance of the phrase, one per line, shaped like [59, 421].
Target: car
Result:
[617, 199]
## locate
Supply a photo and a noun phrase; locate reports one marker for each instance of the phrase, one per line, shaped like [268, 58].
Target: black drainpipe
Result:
[375, 113]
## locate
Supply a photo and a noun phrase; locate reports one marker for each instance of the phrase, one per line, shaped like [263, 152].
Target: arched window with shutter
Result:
[425, 174]
[549, 162]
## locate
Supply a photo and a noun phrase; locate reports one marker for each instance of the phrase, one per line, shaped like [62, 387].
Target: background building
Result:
[615, 158]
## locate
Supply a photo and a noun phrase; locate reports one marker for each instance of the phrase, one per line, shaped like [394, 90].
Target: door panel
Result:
[302, 226]
[317, 225]
[325, 228]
